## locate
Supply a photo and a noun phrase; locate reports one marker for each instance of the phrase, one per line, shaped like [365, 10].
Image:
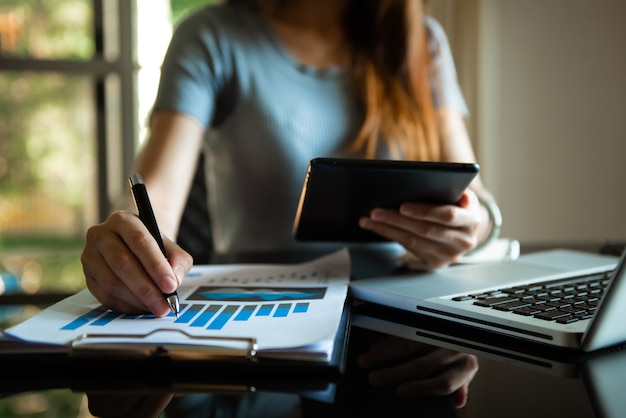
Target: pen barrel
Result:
[146, 214]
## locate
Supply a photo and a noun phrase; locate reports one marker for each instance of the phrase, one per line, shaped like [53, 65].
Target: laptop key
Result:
[462, 298]
[552, 315]
[567, 320]
[511, 306]
[495, 301]
[529, 311]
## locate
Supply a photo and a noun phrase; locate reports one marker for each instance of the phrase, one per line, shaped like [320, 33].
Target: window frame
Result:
[114, 57]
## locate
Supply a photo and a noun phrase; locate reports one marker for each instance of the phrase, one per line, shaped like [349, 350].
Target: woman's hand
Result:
[418, 369]
[438, 234]
[125, 269]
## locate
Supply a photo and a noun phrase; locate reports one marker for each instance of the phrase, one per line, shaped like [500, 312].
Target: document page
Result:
[291, 311]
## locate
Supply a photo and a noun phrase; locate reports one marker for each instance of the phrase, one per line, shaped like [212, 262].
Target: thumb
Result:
[466, 199]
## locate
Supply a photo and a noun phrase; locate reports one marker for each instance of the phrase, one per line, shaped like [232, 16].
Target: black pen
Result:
[146, 214]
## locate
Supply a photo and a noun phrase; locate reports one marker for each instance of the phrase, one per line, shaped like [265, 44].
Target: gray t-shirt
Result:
[266, 116]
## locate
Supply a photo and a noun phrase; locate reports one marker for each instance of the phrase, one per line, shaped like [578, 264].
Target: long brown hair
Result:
[392, 63]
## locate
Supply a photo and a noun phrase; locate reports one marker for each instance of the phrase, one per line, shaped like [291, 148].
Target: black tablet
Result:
[338, 191]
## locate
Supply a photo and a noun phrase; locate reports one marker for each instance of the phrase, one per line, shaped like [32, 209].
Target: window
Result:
[78, 80]
[56, 83]
[68, 131]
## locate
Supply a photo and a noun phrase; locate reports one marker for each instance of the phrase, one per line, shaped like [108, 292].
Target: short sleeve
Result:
[444, 83]
[190, 71]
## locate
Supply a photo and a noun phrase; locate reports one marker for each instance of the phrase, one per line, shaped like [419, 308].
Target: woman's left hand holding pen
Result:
[126, 270]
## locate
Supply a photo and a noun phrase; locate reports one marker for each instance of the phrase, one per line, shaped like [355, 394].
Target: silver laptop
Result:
[458, 337]
[560, 297]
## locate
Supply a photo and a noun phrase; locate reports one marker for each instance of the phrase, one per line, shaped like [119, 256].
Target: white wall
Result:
[545, 81]
[547, 93]
[551, 116]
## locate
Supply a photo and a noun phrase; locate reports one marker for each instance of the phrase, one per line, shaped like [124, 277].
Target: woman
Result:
[263, 86]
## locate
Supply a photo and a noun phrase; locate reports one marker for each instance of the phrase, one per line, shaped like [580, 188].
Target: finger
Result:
[451, 216]
[444, 223]
[419, 367]
[104, 284]
[419, 226]
[147, 251]
[467, 199]
[125, 302]
[117, 305]
[436, 254]
[461, 395]
[464, 216]
[391, 350]
[126, 248]
[448, 381]
[438, 249]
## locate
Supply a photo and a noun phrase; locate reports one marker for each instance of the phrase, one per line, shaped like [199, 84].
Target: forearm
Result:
[167, 163]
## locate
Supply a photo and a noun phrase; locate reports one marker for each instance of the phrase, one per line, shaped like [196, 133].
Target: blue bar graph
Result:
[223, 317]
[215, 316]
[265, 310]
[282, 311]
[245, 313]
[301, 307]
[206, 316]
[106, 318]
[83, 319]
[189, 314]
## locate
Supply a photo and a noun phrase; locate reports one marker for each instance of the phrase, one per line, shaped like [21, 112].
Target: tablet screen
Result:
[338, 191]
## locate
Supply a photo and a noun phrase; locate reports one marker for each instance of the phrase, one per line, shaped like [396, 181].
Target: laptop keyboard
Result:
[563, 301]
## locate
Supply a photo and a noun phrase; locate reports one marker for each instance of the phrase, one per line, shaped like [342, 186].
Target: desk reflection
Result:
[595, 392]
[510, 383]
[503, 387]
[538, 380]
[255, 405]
[140, 387]
[352, 395]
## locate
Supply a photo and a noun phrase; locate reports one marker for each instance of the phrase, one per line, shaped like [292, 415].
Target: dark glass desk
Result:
[129, 386]
[144, 387]
[513, 381]
[517, 378]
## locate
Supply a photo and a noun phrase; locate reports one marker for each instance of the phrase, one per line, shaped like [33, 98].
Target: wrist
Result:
[495, 223]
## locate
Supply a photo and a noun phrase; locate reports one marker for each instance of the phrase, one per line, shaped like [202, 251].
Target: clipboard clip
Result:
[171, 343]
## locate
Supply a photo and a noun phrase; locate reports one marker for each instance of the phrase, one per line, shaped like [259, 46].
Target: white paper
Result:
[292, 310]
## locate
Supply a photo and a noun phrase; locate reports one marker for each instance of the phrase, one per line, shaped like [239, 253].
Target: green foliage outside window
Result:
[46, 117]
[52, 29]
[180, 8]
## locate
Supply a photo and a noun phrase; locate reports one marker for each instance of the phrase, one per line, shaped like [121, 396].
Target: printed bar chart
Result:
[205, 313]
[290, 311]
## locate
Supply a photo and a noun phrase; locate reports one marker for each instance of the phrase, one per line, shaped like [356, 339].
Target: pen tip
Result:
[172, 301]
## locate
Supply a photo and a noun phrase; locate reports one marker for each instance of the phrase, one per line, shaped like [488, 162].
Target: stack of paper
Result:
[289, 311]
